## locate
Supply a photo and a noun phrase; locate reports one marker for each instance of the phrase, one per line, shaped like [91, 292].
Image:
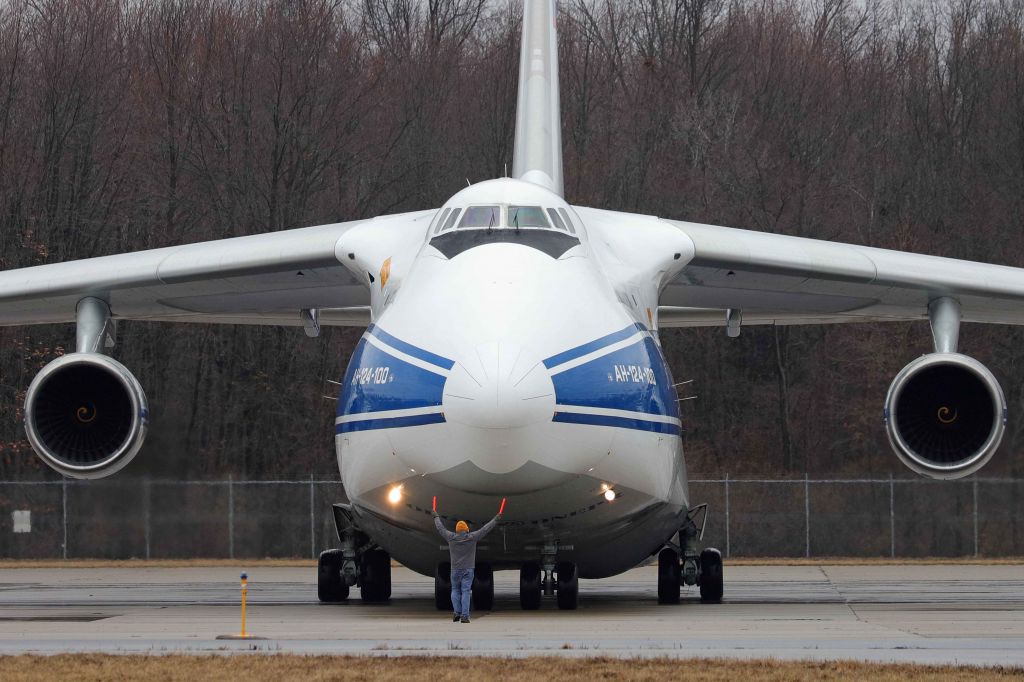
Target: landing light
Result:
[395, 495]
[609, 495]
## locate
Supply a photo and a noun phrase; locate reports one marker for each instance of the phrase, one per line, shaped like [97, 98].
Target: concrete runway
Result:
[928, 614]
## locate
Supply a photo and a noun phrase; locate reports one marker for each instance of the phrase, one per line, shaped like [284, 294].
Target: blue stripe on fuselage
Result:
[389, 423]
[635, 379]
[409, 349]
[618, 422]
[377, 381]
[598, 344]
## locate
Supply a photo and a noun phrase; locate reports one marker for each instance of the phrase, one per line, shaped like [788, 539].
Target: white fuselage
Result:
[504, 364]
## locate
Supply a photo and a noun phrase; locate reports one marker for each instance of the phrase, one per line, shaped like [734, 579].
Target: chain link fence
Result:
[749, 517]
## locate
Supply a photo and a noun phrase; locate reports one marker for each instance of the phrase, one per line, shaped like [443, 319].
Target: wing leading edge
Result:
[257, 279]
[779, 279]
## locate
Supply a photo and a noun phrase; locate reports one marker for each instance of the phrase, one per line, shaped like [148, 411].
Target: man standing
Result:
[462, 546]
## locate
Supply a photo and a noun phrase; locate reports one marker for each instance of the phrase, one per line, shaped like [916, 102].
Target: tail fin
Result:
[538, 153]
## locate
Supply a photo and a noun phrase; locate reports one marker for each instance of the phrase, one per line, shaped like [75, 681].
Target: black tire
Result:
[375, 576]
[711, 580]
[669, 571]
[331, 587]
[529, 586]
[443, 587]
[568, 585]
[483, 587]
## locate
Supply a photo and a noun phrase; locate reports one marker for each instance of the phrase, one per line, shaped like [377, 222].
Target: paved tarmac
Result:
[932, 614]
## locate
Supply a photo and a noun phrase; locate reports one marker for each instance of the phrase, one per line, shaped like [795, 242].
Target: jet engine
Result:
[86, 415]
[945, 415]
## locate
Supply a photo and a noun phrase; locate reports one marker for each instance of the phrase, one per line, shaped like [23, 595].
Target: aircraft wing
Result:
[257, 279]
[778, 279]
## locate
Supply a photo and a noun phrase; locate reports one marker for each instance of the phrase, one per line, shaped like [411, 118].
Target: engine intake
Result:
[945, 415]
[86, 415]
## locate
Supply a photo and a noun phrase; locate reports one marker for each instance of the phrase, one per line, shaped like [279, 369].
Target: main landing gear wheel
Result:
[711, 582]
[483, 587]
[375, 576]
[330, 583]
[443, 587]
[668, 576]
[568, 585]
[529, 586]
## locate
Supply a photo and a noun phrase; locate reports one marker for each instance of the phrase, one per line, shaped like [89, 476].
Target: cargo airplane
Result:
[512, 349]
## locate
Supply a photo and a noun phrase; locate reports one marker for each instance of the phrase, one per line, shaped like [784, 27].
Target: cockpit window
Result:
[481, 216]
[556, 219]
[451, 219]
[440, 221]
[526, 216]
[568, 220]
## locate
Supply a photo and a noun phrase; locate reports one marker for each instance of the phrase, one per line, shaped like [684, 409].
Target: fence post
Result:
[64, 514]
[727, 547]
[231, 517]
[312, 522]
[975, 486]
[807, 516]
[892, 518]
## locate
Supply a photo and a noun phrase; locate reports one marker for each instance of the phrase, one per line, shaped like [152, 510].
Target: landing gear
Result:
[330, 583]
[339, 569]
[530, 586]
[483, 587]
[711, 582]
[375, 576]
[563, 582]
[568, 585]
[685, 564]
[669, 576]
[443, 587]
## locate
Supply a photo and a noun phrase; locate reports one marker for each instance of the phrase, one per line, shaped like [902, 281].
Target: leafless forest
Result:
[132, 125]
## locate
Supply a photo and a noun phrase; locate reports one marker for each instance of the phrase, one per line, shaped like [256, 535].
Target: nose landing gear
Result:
[357, 562]
[702, 568]
[562, 581]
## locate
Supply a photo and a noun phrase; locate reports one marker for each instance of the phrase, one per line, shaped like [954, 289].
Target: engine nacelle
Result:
[86, 415]
[945, 415]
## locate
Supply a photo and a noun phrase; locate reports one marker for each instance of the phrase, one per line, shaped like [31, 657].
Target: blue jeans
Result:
[462, 590]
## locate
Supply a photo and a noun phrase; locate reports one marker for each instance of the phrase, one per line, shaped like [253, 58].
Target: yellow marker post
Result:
[245, 591]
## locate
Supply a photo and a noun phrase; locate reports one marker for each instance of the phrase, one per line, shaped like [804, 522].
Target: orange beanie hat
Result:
[461, 527]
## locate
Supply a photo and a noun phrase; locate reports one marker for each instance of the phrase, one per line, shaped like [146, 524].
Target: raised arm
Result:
[444, 532]
[485, 529]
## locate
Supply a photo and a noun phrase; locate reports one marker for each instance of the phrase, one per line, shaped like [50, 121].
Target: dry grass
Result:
[311, 563]
[275, 668]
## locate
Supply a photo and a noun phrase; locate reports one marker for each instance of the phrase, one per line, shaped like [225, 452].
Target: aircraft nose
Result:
[501, 385]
